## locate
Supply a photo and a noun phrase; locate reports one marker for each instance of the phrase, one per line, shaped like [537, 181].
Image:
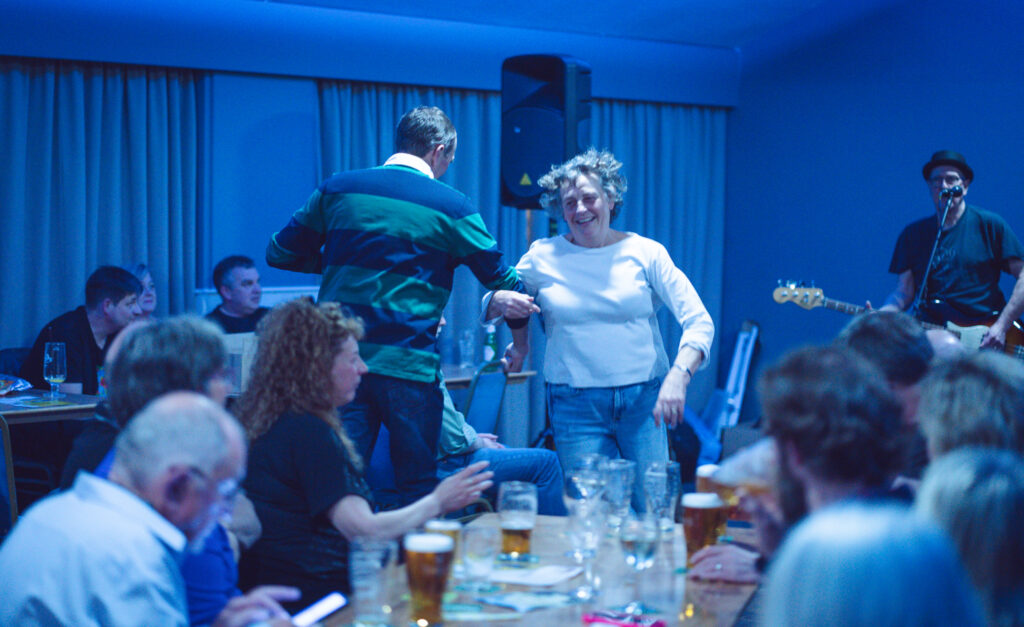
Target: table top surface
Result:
[664, 588]
[457, 377]
[34, 406]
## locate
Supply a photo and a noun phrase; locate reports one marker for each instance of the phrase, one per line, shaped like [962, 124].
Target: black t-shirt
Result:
[84, 356]
[968, 261]
[297, 471]
[231, 324]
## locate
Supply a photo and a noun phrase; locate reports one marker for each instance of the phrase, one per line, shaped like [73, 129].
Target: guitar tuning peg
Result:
[811, 284]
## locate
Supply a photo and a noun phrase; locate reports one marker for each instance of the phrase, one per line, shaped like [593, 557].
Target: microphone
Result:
[952, 191]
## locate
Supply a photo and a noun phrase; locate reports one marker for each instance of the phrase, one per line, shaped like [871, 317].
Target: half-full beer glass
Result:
[428, 560]
[517, 508]
[704, 518]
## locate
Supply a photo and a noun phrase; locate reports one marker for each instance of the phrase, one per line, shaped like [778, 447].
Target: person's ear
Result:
[108, 306]
[223, 291]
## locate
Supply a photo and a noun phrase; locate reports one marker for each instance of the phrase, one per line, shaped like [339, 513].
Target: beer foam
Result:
[443, 525]
[702, 500]
[428, 543]
[707, 470]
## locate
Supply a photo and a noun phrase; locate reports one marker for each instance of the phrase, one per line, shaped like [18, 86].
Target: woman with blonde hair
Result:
[304, 476]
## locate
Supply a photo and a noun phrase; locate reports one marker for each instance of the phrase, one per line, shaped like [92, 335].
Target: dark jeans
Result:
[411, 410]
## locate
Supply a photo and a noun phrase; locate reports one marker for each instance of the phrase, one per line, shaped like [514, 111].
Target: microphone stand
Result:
[915, 307]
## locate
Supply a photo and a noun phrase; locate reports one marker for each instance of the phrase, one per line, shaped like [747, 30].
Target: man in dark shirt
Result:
[111, 296]
[238, 282]
[974, 247]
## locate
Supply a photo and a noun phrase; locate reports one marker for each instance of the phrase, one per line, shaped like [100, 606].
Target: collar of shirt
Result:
[95, 490]
[410, 161]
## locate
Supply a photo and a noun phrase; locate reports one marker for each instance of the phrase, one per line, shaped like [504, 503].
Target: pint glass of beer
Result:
[704, 518]
[450, 528]
[428, 560]
[517, 508]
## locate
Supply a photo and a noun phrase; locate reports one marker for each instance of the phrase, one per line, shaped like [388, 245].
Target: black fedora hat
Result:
[948, 157]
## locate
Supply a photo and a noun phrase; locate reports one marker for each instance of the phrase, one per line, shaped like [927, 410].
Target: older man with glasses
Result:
[967, 256]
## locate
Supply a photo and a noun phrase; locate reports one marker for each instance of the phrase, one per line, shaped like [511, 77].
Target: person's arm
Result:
[297, 246]
[352, 515]
[259, 605]
[516, 352]
[672, 396]
[995, 337]
[901, 297]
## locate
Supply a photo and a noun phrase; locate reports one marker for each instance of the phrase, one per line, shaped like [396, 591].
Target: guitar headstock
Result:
[799, 293]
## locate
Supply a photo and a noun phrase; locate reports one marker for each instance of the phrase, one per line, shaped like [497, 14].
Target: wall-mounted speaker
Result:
[545, 119]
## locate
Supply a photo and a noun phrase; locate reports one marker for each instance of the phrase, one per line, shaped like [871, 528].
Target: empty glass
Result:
[586, 526]
[369, 561]
[55, 367]
[480, 547]
[639, 538]
[619, 475]
[662, 487]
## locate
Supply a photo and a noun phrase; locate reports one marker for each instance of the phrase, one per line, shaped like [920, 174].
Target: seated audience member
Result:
[977, 496]
[184, 353]
[460, 446]
[238, 282]
[304, 477]
[868, 566]
[111, 302]
[106, 552]
[834, 422]
[147, 299]
[975, 399]
[898, 345]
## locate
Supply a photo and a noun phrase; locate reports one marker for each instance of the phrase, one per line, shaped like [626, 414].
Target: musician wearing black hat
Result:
[970, 251]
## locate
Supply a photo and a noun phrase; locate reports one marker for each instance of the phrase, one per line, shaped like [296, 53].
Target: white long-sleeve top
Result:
[599, 307]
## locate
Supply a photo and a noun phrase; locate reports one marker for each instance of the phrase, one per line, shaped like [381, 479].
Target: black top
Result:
[84, 356]
[297, 471]
[90, 446]
[968, 261]
[231, 324]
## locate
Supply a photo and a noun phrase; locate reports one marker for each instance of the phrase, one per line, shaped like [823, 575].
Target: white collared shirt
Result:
[410, 161]
[94, 555]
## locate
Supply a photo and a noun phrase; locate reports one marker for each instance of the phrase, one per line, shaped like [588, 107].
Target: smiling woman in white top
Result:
[611, 387]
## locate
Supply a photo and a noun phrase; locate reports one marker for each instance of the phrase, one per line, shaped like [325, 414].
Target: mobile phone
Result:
[622, 619]
[320, 610]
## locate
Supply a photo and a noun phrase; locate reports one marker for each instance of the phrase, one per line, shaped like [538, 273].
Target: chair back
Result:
[8, 498]
[486, 393]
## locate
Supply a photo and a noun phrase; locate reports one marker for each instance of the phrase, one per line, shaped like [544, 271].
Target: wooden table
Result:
[679, 601]
[456, 378]
[70, 407]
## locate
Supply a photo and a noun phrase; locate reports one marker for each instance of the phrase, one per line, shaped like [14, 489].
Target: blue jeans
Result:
[411, 410]
[533, 465]
[615, 421]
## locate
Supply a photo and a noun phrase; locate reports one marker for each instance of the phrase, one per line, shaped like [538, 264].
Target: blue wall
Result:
[826, 149]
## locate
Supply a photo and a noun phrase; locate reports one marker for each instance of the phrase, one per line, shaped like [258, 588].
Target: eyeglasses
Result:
[228, 489]
[949, 179]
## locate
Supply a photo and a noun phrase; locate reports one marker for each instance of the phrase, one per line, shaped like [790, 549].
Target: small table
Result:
[680, 601]
[69, 407]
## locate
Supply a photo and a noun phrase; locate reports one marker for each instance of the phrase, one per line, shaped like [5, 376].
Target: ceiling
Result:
[720, 23]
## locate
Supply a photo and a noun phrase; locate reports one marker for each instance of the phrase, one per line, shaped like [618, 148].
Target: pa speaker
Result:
[545, 116]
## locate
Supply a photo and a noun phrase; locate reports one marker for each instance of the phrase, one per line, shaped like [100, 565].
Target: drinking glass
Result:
[662, 485]
[639, 537]
[517, 508]
[480, 547]
[586, 524]
[428, 561]
[618, 489]
[55, 367]
[369, 562]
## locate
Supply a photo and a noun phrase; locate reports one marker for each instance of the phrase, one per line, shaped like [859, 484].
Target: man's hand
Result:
[488, 440]
[514, 357]
[995, 337]
[509, 304]
[259, 605]
[725, 562]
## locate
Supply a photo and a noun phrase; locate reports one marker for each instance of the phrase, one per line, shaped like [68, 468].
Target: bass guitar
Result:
[970, 335]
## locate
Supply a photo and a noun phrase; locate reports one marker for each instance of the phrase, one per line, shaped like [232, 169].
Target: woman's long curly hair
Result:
[298, 342]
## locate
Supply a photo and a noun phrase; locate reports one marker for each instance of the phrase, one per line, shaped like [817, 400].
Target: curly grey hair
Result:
[601, 164]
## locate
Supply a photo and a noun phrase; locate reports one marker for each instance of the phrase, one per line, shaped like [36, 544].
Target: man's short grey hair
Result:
[857, 565]
[181, 353]
[183, 428]
[423, 128]
[974, 400]
[601, 164]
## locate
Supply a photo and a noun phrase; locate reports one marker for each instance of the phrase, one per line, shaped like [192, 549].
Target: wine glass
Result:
[618, 490]
[585, 530]
[639, 538]
[55, 367]
[662, 487]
